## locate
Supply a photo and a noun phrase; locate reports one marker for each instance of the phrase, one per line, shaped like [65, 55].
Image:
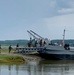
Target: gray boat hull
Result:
[56, 52]
[56, 56]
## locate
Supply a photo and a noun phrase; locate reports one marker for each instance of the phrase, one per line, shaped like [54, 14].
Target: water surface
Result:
[43, 67]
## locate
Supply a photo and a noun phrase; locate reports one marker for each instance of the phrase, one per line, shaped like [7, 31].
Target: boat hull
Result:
[56, 56]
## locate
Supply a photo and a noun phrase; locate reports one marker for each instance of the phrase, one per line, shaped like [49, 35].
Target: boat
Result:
[57, 52]
[46, 49]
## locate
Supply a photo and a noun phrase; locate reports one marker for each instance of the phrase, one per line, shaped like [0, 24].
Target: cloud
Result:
[67, 3]
[61, 6]
[53, 3]
[66, 10]
[63, 20]
[56, 7]
[71, 3]
[57, 24]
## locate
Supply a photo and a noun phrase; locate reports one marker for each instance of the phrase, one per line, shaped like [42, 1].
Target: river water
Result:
[42, 67]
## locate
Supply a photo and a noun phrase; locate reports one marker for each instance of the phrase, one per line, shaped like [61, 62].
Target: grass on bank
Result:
[11, 59]
[6, 57]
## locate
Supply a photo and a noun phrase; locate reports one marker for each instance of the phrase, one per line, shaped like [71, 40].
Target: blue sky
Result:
[48, 18]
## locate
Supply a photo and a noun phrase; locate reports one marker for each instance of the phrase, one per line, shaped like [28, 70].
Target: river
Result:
[42, 67]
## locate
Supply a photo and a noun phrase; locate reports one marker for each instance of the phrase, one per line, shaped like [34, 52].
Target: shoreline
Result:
[9, 58]
[17, 58]
[12, 57]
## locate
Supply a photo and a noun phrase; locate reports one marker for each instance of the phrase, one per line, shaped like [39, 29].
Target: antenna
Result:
[63, 37]
[64, 34]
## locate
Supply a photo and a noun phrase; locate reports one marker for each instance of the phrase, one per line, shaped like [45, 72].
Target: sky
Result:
[48, 18]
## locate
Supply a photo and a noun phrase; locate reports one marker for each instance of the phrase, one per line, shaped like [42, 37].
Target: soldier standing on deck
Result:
[17, 46]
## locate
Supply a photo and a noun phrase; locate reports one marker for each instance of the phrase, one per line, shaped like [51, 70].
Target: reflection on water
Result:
[45, 67]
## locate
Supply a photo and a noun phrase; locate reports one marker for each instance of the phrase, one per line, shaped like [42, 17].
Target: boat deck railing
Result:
[28, 49]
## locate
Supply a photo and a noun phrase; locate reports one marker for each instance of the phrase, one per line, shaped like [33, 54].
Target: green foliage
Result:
[14, 42]
[11, 59]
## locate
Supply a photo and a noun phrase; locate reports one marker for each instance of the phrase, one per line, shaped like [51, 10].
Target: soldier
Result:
[10, 48]
[17, 48]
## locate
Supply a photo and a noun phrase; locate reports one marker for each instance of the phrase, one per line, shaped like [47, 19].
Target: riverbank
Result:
[6, 57]
[12, 57]
[9, 58]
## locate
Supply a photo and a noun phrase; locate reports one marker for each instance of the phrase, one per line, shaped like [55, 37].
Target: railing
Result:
[28, 49]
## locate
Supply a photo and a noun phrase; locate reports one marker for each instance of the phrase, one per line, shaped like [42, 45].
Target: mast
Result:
[63, 37]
